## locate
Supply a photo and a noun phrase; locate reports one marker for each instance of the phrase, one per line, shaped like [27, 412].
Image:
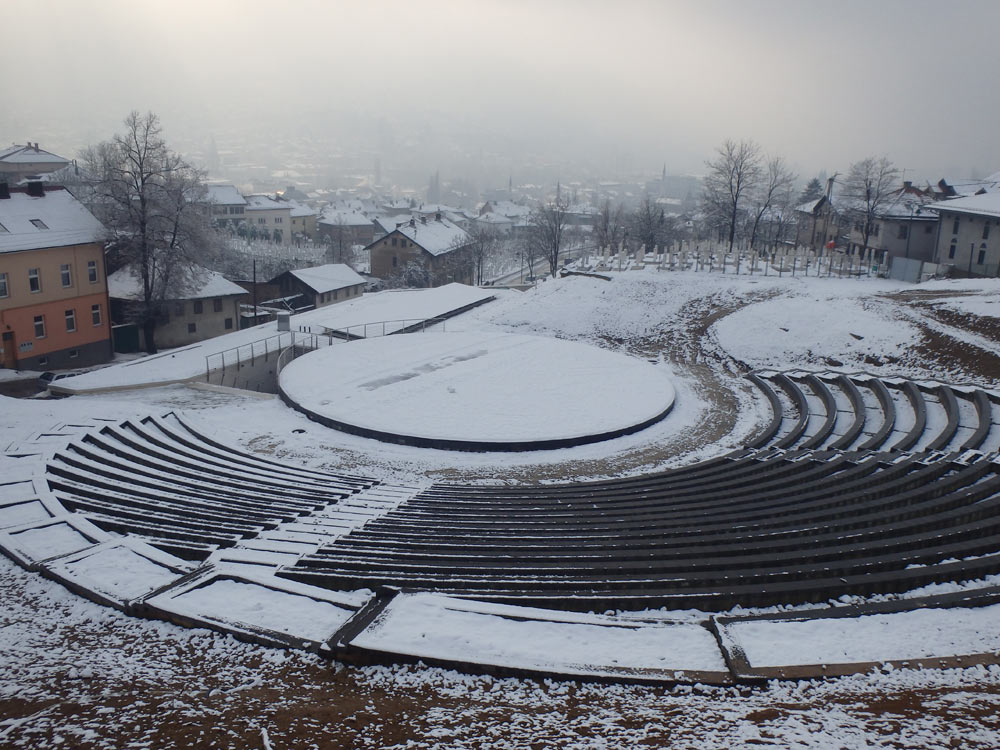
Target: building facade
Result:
[968, 235]
[423, 253]
[53, 290]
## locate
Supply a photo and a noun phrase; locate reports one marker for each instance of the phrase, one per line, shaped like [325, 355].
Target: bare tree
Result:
[777, 182]
[153, 203]
[609, 230]
[651, 227]
[483, 244]
[732, 175]
[339, 238]
[869, 187]
[547, 231]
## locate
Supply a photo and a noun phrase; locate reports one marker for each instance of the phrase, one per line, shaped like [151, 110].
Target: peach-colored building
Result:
[53, 288]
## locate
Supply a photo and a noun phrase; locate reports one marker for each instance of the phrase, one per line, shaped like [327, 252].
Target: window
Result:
[903, 231]
[394, 242]
[198, 307]
[951, 250]
[39, 223]
[928, 229]
[261, 220]
[982, 257]
[986, 231]
[71, 320]
[39, 326]
[192, 327]
[216, 305]
[395, 260]
[95, 314]
[4, 290]
[43, 361]
[229, 324]
[277, 219]
[178, 309]
[34, 280]
[66, 275]
[74, 353]
[954, 227]
[92, 271]
[335, 294]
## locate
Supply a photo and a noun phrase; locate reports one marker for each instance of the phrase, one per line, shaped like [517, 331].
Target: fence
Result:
[794, 262]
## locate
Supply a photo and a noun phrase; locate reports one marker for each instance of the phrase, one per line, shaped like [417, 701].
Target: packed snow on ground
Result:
[281, 611]
[433, 626]
[810, 329]
[478, 386]
[922, 633]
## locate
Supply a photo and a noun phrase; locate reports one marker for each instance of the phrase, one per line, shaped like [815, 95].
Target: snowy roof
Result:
[124, 284]
[265, 203]
[55, 220]
[509, 208]
[226, 195]
[493, 218]
[328, 278]
[433, 208]
[299, 208]
[437, 236]
[345, 217]
[987, 204]
[16, 154]
[388, 223]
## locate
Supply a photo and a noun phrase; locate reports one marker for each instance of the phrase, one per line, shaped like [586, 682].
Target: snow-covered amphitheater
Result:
[799, 481]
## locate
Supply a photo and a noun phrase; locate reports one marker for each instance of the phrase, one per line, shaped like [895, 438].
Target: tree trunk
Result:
[148, 331]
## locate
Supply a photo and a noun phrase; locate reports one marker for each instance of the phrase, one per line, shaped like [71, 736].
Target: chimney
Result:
[413, 223]
[907, 184]
[423, 219]
[36, 189]
[437, 216]
[4, 191]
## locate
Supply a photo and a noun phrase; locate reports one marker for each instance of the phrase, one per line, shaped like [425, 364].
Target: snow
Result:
[900, 636]
[798, 330]
[68, 222]
[259, 606]
[478, 387]
[226, 195]
[431, 626]
[987, 204]
[53, 539]
[187, 363]
[118, 571]
[265, 203]
[126, 284]
[17, 154]
[328, 277]
[436, 236]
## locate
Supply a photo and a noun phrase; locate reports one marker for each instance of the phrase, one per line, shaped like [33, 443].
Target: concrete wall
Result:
[208, 323]
[967, 240]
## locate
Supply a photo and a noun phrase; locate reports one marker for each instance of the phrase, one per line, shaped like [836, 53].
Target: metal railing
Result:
[306, 339]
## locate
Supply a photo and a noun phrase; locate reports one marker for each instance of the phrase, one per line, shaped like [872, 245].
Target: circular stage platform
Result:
[477, 391]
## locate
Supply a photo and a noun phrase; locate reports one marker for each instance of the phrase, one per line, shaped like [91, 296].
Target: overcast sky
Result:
[823, 83]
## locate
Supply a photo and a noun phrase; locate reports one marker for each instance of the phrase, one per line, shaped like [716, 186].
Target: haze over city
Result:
[536, 91]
